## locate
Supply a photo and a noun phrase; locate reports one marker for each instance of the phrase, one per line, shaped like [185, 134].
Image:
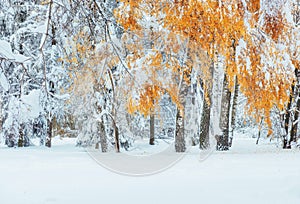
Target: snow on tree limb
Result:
[7, 54]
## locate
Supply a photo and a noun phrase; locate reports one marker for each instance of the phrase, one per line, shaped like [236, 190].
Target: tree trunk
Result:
[205, 121]
[287, 120]
[205, 117]
[293, 133]
[179, 132]
[179, 138]
[103, 140]
[233, 109]
[152, 127]
[117, 141]
[21, 136]
[49, 133]
[222, 143]
[259, 130]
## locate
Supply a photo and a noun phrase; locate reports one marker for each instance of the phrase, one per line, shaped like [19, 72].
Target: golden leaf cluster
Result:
[207, 29]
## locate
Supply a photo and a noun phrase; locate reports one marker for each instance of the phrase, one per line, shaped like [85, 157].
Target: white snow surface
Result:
[248, 173]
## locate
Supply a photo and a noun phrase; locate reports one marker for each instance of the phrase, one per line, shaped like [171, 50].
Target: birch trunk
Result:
[287, 120]
[293, 133]
[205, 121]
[206, 117]
[180, 145]
[103, 140]
[222, 142]
[117, 140]
[151, 141]
[179, 137]
[21, 136]
[233, 109]
[49, 133]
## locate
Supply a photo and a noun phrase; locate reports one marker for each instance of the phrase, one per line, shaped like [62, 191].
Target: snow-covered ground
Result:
[248, 173]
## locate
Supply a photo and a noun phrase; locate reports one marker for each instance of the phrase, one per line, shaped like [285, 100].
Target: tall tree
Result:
[234, 110]
[265, 78]
[30, 75]
[294, 101]
[167, 58]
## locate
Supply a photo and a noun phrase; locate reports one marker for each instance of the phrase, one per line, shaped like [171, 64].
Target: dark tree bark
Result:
[259, 130]
[233, 109]
[287, 120]
[179, 138]
[117, 140]
[152, 128]
[222, 143]
[293, 133]
[100, 124]
[180, 145]
[205, 121]
[205, 118]
[49, 133]
[21, 136]
[103, 140]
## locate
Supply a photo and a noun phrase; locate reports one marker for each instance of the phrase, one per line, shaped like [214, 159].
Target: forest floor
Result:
[64, 174]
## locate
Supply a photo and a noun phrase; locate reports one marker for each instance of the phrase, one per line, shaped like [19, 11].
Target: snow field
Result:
[67, 174]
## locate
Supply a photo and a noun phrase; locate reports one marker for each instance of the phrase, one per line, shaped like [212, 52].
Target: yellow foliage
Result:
[213, 27]
[45, 2]
[147, 101]
[274, 25]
